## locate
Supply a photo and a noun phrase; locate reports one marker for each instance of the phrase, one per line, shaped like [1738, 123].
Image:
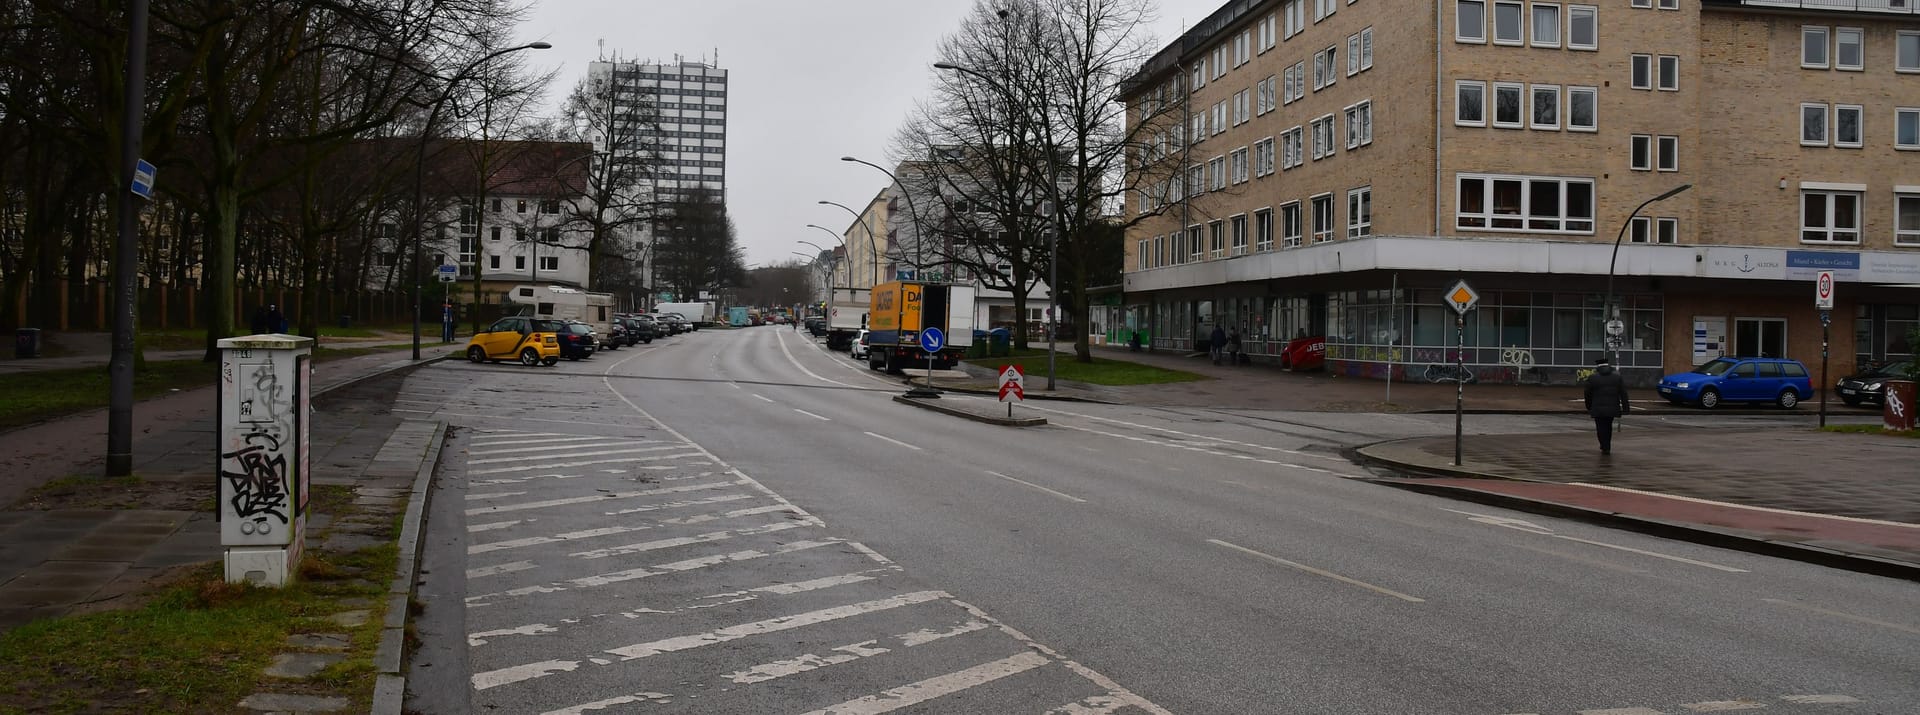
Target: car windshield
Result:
[1895, 369]
[1716, 367]
[579, 329]
[549, 326]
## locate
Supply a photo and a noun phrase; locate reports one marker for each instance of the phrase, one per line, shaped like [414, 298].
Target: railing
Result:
[1894, 7]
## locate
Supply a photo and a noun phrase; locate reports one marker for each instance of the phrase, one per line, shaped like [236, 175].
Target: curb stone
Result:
[929, 404]
[389, 693]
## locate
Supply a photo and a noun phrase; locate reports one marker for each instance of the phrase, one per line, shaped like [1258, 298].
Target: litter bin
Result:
[26, 343]
[1001, 342]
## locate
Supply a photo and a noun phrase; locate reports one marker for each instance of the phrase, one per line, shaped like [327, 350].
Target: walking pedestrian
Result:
[1216, 343]
[1606, 401]
[1233, 347]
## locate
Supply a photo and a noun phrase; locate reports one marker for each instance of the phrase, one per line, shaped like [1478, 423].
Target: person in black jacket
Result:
[1606, 401]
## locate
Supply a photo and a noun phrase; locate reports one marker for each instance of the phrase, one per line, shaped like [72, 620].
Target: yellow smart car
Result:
[532, 341]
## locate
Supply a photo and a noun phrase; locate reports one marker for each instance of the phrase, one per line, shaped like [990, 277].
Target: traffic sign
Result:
[1823, 291]
[1462, 297]
[931, 340]
[1012, 384]
[142, 179]
[1616, 328]
[448, 273]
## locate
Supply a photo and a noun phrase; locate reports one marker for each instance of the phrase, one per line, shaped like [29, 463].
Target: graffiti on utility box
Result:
[262, 451]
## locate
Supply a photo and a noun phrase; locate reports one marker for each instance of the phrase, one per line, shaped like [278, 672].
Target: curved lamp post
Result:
[1612, 308]
[918, 268]
[873, 244]
[843, 249]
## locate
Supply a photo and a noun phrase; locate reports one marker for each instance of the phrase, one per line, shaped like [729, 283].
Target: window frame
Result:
[1366, 48]
[1906, 112]
[1662, 235]
[1238, 243]
[1825, 125]
[1533, 28]
[1899, 38]
[1860, 126]
[1831, 227]
[1216, 239]
[1860, 49]
[1522, 106]
[1640, 230]
[1826, 46]
[1520, 25]
[1458, 105]
[1666, 160]
[1353, 54]
[1525, 218]
[1263, 230]
[1479, 39]
[1239, 165]
[1318, 234]
[1533, 106]
[1567, 108]
[1360, 221]
[1669, 4]
[1637, 65]
[1664, 80]
[1907, 236]
[1292, 229]
[1593, 13]
[1640, 152]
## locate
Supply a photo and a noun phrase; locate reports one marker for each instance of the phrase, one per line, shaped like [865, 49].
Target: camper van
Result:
[563, 303]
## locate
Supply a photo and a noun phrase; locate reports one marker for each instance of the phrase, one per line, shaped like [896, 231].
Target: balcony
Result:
[1885, 7]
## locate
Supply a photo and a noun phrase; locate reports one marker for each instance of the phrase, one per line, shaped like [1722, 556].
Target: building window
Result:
[469, 218]
[1217, 239]
[1640, 230]
[1670, 73]
[1642, 152]
[1813, 47]
[1669, 153]
[493, 233]
[550, 235]
[1324, 145]
[1323, 218]
[1906, 128]
[1525, 203]
[1220, 61]
[1669, 4]
[1290, 225]
[1194, 249]
[1906, 219]
[549, 263]
[1263, 157]
[1546, 106]
[1217, 173]
[1642, 72]
[1582, 108]
[1360, 212]
[1199, 74]
[1263, 229]
[1546, 25]
[1295, 15]
[1196, 180]
[519, 233]
[1470, 21]
[1239, 159]
[1669, 230]
[1470, 103]
[1829, 216]
[1242, 47]
[1507, 22]
[1268, 99]
[1846, 125]
[1643, 3]
[1847, 51]
[1296, 152]
[496, 206]
[1813, 124]
[520, 206]
[1159, 251]
[519, 263]
[1140, 255]
[1583, 27]
[549, 206]
[1359, 124]
[1287, 81]
[1268, 36]
[1507, 105]
[1353, 54]
[1239, 235]
[1906, 52]
[1366, 48]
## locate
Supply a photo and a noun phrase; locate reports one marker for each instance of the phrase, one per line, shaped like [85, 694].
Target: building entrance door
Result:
[1760, 337]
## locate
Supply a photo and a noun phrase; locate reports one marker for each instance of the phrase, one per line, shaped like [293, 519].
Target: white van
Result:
[563, 303]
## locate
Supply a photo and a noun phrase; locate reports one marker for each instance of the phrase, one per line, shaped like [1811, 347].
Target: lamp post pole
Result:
[1612, 307]
[873, 244]
[918, 267]
[126, 259]
[843, 249]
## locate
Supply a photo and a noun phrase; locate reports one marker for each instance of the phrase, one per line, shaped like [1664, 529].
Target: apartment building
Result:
[937, 216]
[1330, 167]
[868, 243]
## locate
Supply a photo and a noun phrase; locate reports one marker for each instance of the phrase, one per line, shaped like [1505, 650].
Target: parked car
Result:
[859, 350]
[577, 340]
[529, 340]
[1740, 379]
[1870, 385]
[616, 336]
[640, 328]
[676, 324]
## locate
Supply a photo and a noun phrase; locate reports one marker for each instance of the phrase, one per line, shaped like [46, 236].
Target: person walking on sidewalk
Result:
[1606, 401]
[1217, 343]
[1233, 347]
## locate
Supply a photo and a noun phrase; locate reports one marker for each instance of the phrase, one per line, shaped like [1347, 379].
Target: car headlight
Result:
[1873, 386]
[1680, 385]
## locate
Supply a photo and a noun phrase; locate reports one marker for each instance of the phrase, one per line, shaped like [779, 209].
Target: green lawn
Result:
[1101, 372]
[34, 396]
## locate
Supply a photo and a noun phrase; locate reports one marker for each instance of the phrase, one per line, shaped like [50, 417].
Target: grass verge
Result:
[1100, 372]
[198, 645]
[1871, 429]
[30, 397]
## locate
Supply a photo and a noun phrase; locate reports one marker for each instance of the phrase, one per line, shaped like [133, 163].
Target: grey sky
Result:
[811, 81]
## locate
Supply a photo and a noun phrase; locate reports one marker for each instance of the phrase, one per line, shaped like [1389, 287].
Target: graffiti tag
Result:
[257, 476]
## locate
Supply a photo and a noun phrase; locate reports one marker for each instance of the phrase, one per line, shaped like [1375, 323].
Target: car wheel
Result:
[1788, 399]
[476, 355]
[648, 341]
[529, 357]
[574, 358]
[1709, 398]
[1851, 401]
[550, 362]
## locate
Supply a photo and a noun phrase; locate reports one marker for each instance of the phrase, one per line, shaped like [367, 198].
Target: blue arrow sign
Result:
[931, 340]
[142, 179]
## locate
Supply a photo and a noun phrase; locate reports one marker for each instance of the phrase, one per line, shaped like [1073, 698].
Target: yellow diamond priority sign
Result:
[1462, 297]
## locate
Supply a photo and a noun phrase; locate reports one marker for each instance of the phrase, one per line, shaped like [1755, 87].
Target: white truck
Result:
[846, 315]
[563, 303]
[699, 314]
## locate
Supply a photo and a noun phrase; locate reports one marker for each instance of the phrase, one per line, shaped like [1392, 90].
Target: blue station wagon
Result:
[1738, 379]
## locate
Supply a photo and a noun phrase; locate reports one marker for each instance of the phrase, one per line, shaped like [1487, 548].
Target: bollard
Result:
[264, 418]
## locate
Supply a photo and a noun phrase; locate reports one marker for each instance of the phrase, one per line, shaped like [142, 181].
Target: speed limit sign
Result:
[1823, 291]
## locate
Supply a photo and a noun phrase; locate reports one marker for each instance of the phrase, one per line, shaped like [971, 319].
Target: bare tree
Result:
[612, 204]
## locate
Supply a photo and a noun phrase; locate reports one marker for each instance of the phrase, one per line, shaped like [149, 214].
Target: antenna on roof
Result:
[603, 48]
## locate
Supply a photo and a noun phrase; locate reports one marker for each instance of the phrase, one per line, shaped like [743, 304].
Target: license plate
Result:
[1666, 389]
[1846, 390]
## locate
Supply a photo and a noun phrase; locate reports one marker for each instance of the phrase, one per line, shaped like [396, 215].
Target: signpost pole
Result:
[1823, 301]
[1459, 382]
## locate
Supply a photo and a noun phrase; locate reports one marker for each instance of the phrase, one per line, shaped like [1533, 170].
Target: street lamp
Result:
[873, 244]
[917, 266]
[1612, 308]
[843, 250]
[419, 180]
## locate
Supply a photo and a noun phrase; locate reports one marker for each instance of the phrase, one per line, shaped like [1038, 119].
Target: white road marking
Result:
[761, 397]
[1532, 528]
[517, 418]
[709, 537]
[1192, 448]
[772, 625]
[785, 589]
[602, 453]
[598, 497]
[588, 463]
[1622, 711]
[849, 652]
[1188, 435]
[486, 571]
[471, 528]
[612, 530]
[1095, 705]
[935, 687]
[895, 441]
[644, 572]
[718, 600]
[515, 674]
[782, 340]
[476, 640]
[1062, 495]
[548, 442]
[1113, 688]
[1845, 616]
[1820, 699]
[1696, 500]
[520, 480]
[492, 495]
[1317, 572]
[1717, 706]
[678, 504]
[606, 442]
[810, 414]
[644, 696]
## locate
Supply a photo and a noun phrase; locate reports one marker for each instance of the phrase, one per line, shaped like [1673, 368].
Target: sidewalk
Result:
[96, 350]
[1771, 491]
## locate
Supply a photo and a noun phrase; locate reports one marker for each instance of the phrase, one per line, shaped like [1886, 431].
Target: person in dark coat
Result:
[1606, 401]
[1233, 347]
[276, 321]
[1217, 343]
[259, 324]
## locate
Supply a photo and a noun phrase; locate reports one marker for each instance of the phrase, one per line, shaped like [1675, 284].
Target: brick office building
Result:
[1337, 164]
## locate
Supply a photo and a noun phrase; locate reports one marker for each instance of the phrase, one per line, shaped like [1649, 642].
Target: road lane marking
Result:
[492, 495]
[1696, 500]
[935, 687]
[1845, 616]
[614, 530]
[782, 340]
[712, 601]
[1622, 711]
[544, 440]
[486, 571]
[475, 640]
[895, 441]
[1192, 448]
[708, 537]
[515, 674]
[678, 504]
[605, 442]
[772, 625]
[602, 453]
[518, 418]
[1318, 572]
[520, 480]
[598, 497]
[1820, 699]
[588, 463]
[1188, 435]
[1717, 706]
[847, 653]
[1062, 495]
[810, 414]
[761, 398]
[644, 696]
[614, 577]
[1532, 528]
[471, 528]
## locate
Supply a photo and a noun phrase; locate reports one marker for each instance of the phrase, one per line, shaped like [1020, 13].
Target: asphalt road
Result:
[738, 522]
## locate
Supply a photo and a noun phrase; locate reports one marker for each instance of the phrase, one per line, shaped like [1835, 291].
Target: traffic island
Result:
[963, 410]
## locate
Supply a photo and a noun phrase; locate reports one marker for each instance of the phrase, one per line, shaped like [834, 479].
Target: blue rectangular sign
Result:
[1824, 260]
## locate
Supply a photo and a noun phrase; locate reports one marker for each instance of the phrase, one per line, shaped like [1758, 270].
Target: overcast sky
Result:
[810, 81]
